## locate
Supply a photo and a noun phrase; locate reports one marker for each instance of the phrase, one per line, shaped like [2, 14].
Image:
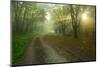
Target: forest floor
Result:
[59, 49]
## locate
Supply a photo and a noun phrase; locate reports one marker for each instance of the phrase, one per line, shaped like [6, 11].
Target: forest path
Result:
[38, 52]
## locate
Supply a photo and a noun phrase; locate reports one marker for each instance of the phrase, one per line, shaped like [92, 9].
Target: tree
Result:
[26, 16]
[59, 15]
[76, 11]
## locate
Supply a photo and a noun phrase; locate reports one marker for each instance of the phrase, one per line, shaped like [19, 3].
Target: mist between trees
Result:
[31, 19]
[60, 19]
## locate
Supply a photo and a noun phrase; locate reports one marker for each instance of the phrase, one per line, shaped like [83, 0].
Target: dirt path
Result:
[40, 53]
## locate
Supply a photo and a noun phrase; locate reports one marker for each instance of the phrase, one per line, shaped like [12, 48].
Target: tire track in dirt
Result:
[40, 53]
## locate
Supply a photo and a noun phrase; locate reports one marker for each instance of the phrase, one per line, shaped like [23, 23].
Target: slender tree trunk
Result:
[75, 22]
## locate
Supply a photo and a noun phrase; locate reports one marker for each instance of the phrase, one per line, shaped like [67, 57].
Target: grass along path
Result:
[40, 53]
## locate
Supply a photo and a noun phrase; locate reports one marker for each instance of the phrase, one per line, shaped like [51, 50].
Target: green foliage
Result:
[59, 13]
[19, 46]
[29, 20]
[26, 15]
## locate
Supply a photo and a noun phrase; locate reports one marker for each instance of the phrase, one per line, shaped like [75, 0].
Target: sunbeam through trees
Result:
[45, 33]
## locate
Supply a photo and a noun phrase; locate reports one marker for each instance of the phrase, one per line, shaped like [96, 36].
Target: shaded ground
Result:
[39, 52]
[74, 49]
[54, 49]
